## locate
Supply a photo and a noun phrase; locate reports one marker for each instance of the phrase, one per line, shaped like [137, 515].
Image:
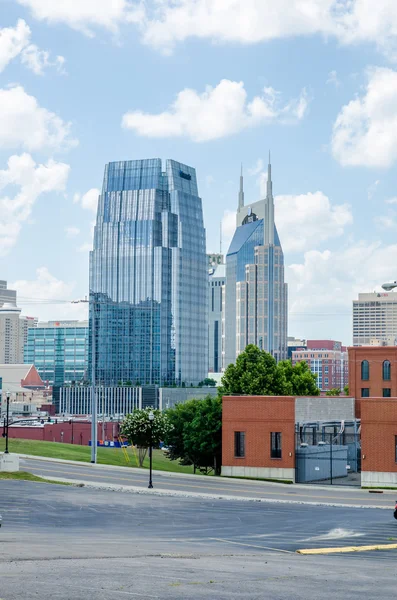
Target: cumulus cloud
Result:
[57, 294]
[228, 228]
[15, 42]
[215, 113]
[89, 200]
[333, 79]
[86, 15]
[25, 124]
[365, 131]
[307, 220]
[31, 180]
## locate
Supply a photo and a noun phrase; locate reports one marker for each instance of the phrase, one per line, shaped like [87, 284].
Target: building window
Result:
[239, 444]
[386, 392]
[386, 370]
[364, 370]
[275, 444]
[364, 392]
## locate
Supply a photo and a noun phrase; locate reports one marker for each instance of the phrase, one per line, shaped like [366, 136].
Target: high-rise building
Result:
[328, 360]
[59, 351]
[256, 294]
[375, 319]
[148, 276]
[214, 260]
[216, 281]
[13, 327]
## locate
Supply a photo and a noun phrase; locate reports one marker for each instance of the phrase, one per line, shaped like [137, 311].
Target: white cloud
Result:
[15, 41]
[307, 220]
[32, 180]
[37, 60]
[89, 200]
[12, 41]
[84, 15]
[216, 113]
[333, 79]
[257, 168]
[72, 231]
[57, 296]
[25, 124]
[391, 200]
[365, 131]
[372, 189]
[323, 285]
[85, 247]
[386, 222]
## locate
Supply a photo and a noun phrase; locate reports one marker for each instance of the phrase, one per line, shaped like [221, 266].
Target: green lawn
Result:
[106, 456]
[22, 475]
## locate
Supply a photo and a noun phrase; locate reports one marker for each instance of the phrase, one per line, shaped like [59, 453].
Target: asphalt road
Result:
[67, 543]
[102, 474]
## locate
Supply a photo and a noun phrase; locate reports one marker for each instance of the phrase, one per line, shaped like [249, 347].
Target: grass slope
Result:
[106, 456]
[22, 475]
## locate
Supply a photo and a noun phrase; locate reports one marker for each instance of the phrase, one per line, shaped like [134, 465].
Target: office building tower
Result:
[214, 260]
[256, 294]
[148, 276]
[328, 360]
[375, 319]
[59, 351]
[216, 281]
[13, 327]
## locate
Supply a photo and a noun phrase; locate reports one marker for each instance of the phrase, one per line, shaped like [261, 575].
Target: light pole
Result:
[8, 422]
[94, 408]
[151, 419]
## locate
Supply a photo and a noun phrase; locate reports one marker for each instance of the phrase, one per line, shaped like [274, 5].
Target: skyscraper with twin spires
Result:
[256, 296]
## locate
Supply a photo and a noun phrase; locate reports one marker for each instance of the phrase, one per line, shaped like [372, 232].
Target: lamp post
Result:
[94, 408]
[7, 422]
[151, 419]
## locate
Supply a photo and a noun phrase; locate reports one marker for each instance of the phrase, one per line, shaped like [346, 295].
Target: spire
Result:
[220, 237]
[241, 192]
[269, 178]
[269, 207]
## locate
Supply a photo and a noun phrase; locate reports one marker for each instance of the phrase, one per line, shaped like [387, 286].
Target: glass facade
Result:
[59, 351]
[148, 276]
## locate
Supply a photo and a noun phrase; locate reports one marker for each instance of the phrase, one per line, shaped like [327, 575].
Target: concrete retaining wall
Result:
[378, 479]
[259, 472]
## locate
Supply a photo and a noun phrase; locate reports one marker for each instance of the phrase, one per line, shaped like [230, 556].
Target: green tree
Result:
[346, 390]
[255, 373]
[196, 434]
[207, 382]
[139, 431]
[301, 380]
[333, 392]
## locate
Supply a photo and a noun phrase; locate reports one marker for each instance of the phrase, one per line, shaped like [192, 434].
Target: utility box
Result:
[9, 463]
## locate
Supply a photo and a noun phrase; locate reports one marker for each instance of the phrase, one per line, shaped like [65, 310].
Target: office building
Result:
[148, 276]
[216, 281]
[13, 333]
[7, 296]
[328, 360]
[375, 319]
[214, 260]
[294, 344]
[256, 294]
[59, 351]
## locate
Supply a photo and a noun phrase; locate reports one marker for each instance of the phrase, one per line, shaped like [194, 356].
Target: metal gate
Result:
[327, 456]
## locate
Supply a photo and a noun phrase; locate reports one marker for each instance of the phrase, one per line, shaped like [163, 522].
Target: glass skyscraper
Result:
[59, 351]
[256, 294]
[148, 276]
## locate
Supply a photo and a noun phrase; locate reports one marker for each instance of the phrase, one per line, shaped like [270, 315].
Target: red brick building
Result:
[372, 373]
[328, 360]
[258, 437]
[379, 442]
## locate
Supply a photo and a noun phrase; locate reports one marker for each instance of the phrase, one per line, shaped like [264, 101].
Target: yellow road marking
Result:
[344, 549]
[263, 493]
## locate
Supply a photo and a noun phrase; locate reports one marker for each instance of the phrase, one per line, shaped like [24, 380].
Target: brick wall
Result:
[62, 432]
[258, 416]
[378, 431]
[375, 355]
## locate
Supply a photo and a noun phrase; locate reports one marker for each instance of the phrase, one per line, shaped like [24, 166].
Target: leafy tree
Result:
[196, 435]
[301, 380]
[346, 390]
[207, 382]
[139, 431]
[333, 392]
[255, 373]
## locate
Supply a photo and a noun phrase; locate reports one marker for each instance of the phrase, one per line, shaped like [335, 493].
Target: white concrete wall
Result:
[378, 479]
[324, 408]
[259, 472]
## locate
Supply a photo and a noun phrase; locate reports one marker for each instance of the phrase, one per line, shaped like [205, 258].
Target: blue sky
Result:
[83, 83]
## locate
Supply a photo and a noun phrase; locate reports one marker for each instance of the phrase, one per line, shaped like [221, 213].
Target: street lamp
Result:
[94, 407]
[388, 287]
[6, 423]
[151, 419]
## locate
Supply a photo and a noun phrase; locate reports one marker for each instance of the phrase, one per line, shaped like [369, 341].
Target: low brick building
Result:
[372, 373]
[379, 442]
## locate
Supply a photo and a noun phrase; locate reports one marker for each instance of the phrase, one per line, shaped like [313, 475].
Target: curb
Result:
[345, 549]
